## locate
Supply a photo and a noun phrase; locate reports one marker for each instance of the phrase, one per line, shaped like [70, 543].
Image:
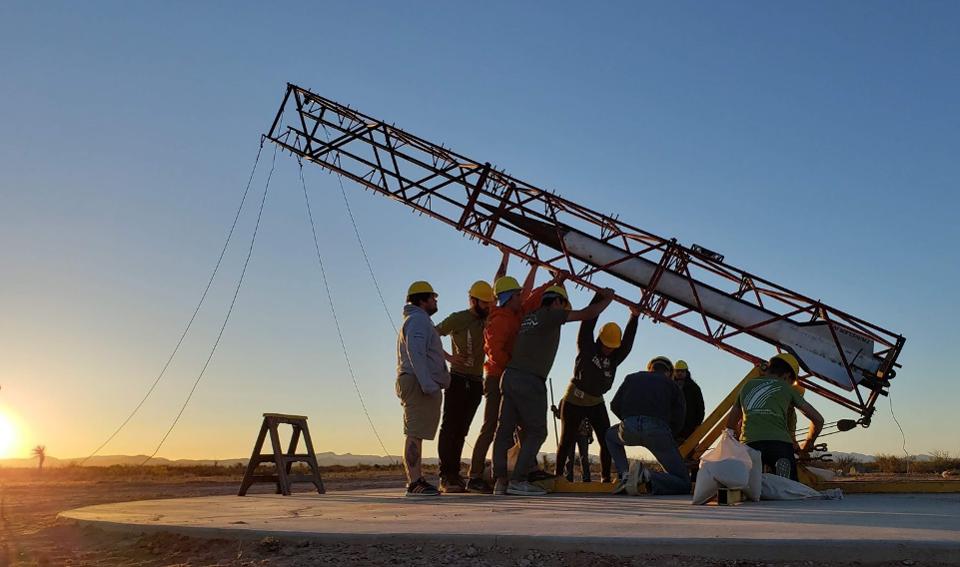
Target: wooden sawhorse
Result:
[283, 477]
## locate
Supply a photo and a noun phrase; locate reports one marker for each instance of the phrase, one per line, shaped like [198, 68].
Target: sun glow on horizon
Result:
[8, 436]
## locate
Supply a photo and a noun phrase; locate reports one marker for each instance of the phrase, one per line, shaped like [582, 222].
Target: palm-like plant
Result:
[40, 452]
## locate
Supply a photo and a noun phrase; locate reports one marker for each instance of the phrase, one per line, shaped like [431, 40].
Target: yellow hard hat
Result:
[611, 336]
[559, 290]
[657, 359]
[506, 283]
[420, 287]
[790, 360]
[680, 365]
[481, 290]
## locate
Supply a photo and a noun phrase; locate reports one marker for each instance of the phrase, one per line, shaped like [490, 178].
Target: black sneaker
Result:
[421, 487]
[479, 486]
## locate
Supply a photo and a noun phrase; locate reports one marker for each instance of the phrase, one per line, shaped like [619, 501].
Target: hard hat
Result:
[558, 290]
[420, 287]
[790, 360]
[611, 335]
[661, 359]
[481, 290]
[504, 284]
[680, 365]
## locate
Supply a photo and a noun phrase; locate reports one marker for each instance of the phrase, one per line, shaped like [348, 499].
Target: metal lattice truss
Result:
[493, 207]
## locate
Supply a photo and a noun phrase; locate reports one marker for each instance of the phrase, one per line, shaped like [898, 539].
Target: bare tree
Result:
[40, 452]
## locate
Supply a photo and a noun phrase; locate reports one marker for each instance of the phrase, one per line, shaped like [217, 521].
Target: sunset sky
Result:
[816, 146]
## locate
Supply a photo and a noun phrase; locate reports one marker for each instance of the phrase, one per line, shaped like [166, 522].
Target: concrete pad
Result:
[865, 527]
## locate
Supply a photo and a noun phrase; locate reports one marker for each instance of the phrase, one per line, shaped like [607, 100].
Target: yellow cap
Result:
[657, 359]
[506, 283]
[680, 365]
[481, 290]
[420, 287]
[790, 360]
[559, 290]
[611, 335]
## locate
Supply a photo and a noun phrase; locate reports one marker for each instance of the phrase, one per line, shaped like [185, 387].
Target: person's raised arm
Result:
[816, 425]
[593, 310]
[629, 335]
[585, 337]
[504, 262]
[528, 283]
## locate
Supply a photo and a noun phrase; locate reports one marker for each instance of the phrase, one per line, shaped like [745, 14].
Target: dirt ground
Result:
[30, 533]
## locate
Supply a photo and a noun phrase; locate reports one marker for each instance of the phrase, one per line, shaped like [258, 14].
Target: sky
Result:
[814, 145]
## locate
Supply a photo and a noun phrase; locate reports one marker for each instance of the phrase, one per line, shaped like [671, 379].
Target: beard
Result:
[483, 312]
[431, 309]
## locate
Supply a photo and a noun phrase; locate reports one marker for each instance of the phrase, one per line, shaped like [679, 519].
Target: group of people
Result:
[503, 349]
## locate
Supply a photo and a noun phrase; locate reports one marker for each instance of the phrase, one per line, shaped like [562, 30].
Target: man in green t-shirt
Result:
[763, 409]
[461, 399]
[524, 401]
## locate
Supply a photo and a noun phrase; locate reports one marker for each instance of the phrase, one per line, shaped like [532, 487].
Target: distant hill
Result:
[324, 459]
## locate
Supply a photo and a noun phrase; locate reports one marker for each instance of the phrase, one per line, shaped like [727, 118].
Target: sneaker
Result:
[452, 486]
[500, 488]
[421, 487]
[479, 486]
[621, 486]
[638, 475]
[524, 488]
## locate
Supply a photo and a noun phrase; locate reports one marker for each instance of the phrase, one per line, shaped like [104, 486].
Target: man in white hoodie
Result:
[421, 376]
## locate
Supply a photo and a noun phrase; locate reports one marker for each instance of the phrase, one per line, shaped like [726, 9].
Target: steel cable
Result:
[226, 319]
[336, 319]
[193, 317]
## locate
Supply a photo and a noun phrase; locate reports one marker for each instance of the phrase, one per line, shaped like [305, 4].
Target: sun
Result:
[8, 436]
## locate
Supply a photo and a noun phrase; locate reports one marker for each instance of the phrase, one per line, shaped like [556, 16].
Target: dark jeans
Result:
[491, 410]
[570, 417]
[778, 457]
[583, 448]
[654, 434]
[523, 404]
[460, 402]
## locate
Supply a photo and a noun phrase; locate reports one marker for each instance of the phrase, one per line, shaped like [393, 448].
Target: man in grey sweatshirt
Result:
[421, 376]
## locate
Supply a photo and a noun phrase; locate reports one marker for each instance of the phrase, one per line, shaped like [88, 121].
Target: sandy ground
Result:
[30, 533]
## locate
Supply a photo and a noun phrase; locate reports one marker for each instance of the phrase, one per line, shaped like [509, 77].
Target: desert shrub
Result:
[844, 462]
[887, 463]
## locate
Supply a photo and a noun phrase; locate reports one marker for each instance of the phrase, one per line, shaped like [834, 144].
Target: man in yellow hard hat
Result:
[500, 331]
[693, 397]
[421, 376]
[524, 391]
[461, 399]
[593, 374]
[762, 412]
[651, 410]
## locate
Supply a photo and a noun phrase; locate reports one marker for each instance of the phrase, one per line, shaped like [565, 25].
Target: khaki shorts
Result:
[421, 412]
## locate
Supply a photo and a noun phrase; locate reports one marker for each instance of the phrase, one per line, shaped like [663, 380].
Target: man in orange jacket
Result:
[503, 323]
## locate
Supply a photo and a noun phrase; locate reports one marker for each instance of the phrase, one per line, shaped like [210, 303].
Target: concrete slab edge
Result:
[710, 548]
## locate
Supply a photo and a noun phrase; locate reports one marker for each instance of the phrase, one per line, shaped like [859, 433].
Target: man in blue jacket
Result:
[651, 409]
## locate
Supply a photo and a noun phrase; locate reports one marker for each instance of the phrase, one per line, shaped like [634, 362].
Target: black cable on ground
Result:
[333, 310]
[196, 310]
[233, 301]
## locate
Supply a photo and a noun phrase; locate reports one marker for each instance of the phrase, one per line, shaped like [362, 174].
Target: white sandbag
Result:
[754, 487]
[822, 474]
[729, 463]
[777, 487]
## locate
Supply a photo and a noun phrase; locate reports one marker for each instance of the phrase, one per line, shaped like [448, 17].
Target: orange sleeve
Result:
[532, 301]
[495, 345]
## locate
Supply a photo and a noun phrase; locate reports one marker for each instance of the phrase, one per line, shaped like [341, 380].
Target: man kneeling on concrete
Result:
[651, 409]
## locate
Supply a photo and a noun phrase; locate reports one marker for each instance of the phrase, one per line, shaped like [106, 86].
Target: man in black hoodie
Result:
[593, 375]
[693, 398]
[651, 409]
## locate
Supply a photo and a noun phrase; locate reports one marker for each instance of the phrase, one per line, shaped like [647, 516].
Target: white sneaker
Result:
[524, 488]
[638, 475]
[621, 486]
